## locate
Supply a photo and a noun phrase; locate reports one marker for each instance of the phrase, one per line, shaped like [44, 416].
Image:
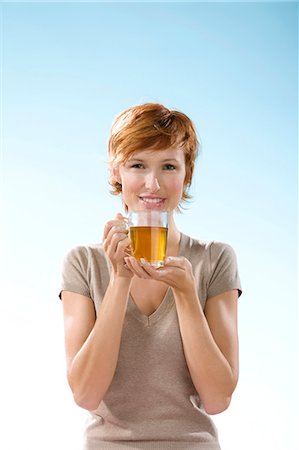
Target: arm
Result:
[210, 337]
[210, 342]
[92, 343]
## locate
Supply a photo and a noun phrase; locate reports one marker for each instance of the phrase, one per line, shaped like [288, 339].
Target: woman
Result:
[151, 353]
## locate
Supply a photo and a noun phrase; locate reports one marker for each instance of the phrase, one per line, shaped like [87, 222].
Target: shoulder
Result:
[193, 244]
[219, 250]
[85, 255]
[215, 247]
[86, 250]
[210, 253]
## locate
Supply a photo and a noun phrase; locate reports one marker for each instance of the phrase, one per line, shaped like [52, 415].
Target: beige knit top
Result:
[151, 402]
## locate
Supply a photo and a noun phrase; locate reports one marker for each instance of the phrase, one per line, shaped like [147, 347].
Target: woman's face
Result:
[153, 179]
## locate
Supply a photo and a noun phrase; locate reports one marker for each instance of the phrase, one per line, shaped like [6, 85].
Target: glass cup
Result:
[148, 234]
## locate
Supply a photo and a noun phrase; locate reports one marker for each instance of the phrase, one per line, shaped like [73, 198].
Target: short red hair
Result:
[152, 126]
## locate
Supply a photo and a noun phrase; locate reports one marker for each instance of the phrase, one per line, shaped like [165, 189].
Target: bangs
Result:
[167, 132]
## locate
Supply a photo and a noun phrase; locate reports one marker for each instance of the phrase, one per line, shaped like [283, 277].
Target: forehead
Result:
[159, 155]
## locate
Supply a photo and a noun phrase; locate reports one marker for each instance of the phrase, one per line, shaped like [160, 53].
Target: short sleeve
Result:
[74, 274]
[223, 269]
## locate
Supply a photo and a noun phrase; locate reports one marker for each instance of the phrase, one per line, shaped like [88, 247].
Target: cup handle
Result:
[127, 222]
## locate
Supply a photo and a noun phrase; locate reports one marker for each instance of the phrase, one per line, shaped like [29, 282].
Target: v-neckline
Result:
[166, 303]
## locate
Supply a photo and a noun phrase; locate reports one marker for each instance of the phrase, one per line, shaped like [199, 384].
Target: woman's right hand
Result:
[116, 244]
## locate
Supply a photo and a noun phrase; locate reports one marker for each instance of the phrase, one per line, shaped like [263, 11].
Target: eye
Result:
[137, 166]
[170, 167]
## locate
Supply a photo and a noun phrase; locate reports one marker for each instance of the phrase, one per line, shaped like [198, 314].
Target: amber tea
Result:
[148, 235]
[149, 243]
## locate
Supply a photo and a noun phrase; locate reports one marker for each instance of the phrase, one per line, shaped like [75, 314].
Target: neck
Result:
[174, 234]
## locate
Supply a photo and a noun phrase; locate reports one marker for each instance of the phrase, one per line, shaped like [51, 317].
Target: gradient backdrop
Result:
[66, 70]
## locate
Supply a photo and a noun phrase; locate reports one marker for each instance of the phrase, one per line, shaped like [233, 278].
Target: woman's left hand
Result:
[176, 272]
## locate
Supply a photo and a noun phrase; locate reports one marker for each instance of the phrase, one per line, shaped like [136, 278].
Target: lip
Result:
[153, 205]
[151, 197]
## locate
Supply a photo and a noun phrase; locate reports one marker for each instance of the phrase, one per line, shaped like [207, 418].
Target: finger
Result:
[136, 268]
[152, 271]
[127, 266]
[128, 250]
[108, 226]
[113, 226]
[118, 243]
[119, 216]
[120, 221]
[124, 219]
[122, 245]
[176, 261]
[110, 245]
[118, 228]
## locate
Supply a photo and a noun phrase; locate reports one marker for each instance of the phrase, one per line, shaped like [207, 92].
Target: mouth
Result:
[152, 202]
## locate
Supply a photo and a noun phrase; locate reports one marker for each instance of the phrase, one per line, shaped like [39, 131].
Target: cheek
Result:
[129, 184]
[177, 184]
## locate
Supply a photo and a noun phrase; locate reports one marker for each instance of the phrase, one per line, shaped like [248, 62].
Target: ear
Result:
[116, 175]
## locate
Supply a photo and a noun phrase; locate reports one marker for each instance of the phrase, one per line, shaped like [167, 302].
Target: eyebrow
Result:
[163, 160]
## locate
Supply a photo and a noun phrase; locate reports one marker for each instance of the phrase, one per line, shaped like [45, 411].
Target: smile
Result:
[152, 202]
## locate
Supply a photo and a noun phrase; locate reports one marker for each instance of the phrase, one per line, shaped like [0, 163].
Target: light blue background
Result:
[67, 70]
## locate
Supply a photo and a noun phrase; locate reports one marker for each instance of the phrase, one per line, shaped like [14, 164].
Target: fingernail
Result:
[143, 261]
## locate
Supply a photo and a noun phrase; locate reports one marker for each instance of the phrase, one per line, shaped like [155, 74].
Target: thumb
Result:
[124, 219]
[170, 260]
[174, 261]
[119, 216]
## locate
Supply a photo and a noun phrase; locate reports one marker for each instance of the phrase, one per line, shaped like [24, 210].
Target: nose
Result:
[152, 183]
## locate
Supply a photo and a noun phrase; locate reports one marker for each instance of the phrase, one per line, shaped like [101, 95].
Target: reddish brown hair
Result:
[152, 126]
